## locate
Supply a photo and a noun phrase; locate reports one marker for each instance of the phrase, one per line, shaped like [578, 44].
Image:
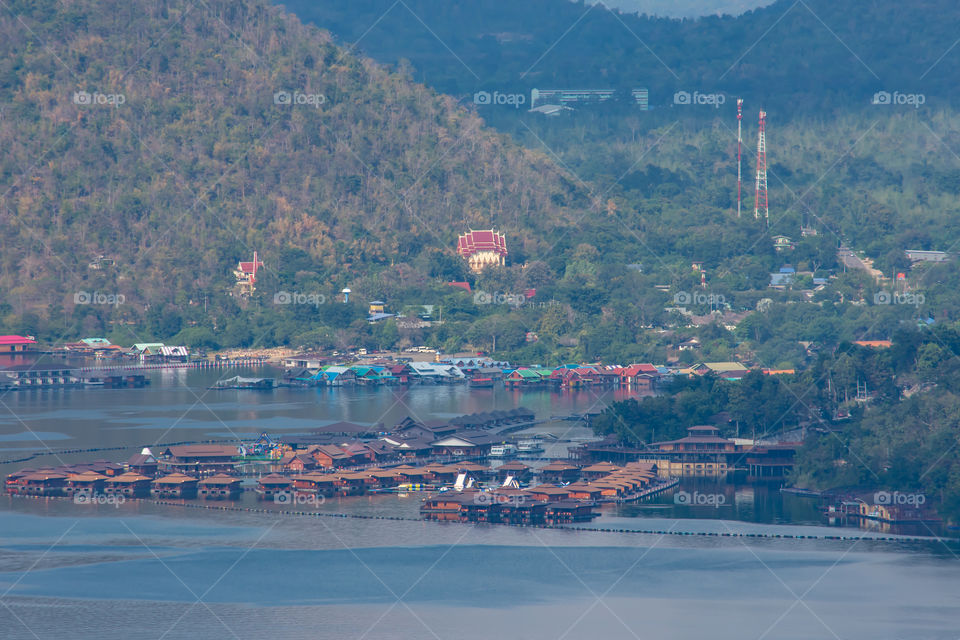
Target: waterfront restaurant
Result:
[198, 459]
[175, 485]
[130, 485]
[465, 444]
[701, 453]
[219, 487]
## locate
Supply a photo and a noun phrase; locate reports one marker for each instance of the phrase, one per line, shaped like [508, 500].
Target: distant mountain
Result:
[810, 57]
[684, 8]
[174, 139]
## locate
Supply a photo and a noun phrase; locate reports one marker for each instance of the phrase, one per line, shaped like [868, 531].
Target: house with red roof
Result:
[17, 344]
[639, 375]
[482, 248]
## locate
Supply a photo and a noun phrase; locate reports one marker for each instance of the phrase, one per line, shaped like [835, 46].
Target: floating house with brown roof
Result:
[517, 470]
[143, 463]
[598, 470]
[559, 472]
[175, 485]
[547, 492]
[40, 483]
[89, 482]
[129, 485]
[219, 487]
[269, 486]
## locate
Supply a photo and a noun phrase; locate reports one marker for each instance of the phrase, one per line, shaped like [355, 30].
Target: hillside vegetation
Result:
[195, 165]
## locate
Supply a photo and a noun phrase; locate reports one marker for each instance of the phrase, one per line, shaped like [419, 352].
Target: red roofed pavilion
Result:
[482, 248]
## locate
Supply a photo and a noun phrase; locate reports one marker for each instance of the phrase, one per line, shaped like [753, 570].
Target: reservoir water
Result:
[141, 569]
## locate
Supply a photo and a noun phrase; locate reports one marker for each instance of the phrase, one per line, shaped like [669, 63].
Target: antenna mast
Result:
[739, 146]
[760, 207]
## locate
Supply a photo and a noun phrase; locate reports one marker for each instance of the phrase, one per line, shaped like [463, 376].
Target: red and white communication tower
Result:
[739, 146]
[760, 208]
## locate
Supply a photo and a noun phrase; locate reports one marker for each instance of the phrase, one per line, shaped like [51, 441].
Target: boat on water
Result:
[502, 450]
[239, 382]
[480, 383]
[529, 446]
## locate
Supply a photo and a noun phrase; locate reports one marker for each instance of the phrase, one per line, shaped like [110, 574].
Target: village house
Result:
[268, 487]
[642, 376]
[175, 485]
[336, 376]
[547, 492]
[143, 463]
[559, 472]
[129, 485]
[88, 482]
[17, 344]
[516, 470]
[38, 483]
[219, 487]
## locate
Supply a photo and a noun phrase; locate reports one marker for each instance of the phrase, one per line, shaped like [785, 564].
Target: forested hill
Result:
[807, 56]
[176, 138]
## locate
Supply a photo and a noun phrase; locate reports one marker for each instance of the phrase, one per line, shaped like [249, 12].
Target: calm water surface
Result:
[145, 570]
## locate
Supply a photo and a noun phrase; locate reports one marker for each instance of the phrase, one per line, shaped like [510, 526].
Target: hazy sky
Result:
[686, 8]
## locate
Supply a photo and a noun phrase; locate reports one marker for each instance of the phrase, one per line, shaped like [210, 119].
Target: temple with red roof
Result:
[246, 274]
[482, 248]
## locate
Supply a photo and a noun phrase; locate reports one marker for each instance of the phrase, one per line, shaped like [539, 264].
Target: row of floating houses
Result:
[306, 371]
[477, 372]
[566, 493]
